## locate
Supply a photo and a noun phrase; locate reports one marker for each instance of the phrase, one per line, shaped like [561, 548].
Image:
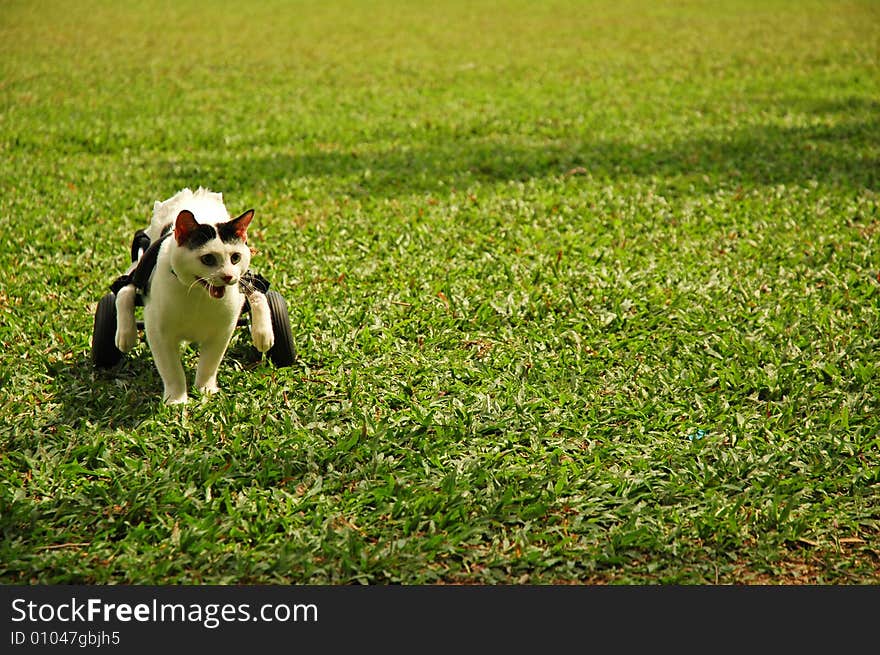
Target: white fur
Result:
[126, 328]
[261, 322]
[179, 309]
[207, 206]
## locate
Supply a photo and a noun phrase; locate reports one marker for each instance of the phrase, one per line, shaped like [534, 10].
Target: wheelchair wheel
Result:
[282, 353]
[104, 351]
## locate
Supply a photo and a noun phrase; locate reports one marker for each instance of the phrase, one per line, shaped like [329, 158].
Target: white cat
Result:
[191, 282]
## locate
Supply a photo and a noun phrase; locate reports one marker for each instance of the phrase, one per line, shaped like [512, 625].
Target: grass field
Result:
[582, 292]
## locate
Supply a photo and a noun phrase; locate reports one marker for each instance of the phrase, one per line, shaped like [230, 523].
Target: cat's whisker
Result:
[247, 286]
[197, 281]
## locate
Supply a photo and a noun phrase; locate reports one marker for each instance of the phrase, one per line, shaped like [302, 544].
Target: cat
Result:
[193, 284]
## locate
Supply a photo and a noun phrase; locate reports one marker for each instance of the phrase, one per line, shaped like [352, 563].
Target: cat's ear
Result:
[184, 226]
[237, 227]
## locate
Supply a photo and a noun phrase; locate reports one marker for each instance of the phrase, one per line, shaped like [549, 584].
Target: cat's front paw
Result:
[126, 328]
[263, 336]
[175, 399]
[126, 337]
[261, 323]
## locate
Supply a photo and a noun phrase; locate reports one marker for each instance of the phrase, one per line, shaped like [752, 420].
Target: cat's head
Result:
[211, 256]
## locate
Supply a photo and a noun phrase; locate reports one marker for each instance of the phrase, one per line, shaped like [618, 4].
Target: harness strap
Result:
[140, 277]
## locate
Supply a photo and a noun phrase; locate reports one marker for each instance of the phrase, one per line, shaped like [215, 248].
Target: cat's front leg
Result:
[210, 355]
[126, 328]
[261, 322]
[166, 355]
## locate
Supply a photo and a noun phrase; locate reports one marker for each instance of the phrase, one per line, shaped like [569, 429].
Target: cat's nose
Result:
[226, 278]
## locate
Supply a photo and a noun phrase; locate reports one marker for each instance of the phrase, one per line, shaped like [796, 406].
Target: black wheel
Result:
[282, 353]
[104, 351]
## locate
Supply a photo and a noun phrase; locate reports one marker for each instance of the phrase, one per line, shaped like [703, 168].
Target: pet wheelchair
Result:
[105, 354]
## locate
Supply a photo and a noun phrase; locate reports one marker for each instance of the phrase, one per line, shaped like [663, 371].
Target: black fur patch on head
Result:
[236, 229]
[200, 236]
[228, 232]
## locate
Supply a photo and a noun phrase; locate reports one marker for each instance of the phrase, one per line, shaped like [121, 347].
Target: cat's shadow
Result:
[126, 394]
[121, 396]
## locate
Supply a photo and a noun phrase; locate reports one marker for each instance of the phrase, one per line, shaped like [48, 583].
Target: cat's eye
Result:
[209, 260]
[235, 257]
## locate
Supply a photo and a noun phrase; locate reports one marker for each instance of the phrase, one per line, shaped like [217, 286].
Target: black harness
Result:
[140, 276]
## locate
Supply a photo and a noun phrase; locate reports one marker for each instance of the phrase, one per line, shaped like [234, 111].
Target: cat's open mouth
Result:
[216, 292]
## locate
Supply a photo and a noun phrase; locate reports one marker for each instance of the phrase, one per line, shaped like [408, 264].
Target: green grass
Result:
[530, 251]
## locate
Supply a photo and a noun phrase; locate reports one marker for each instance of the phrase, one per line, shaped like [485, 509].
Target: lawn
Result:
[581, 291]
